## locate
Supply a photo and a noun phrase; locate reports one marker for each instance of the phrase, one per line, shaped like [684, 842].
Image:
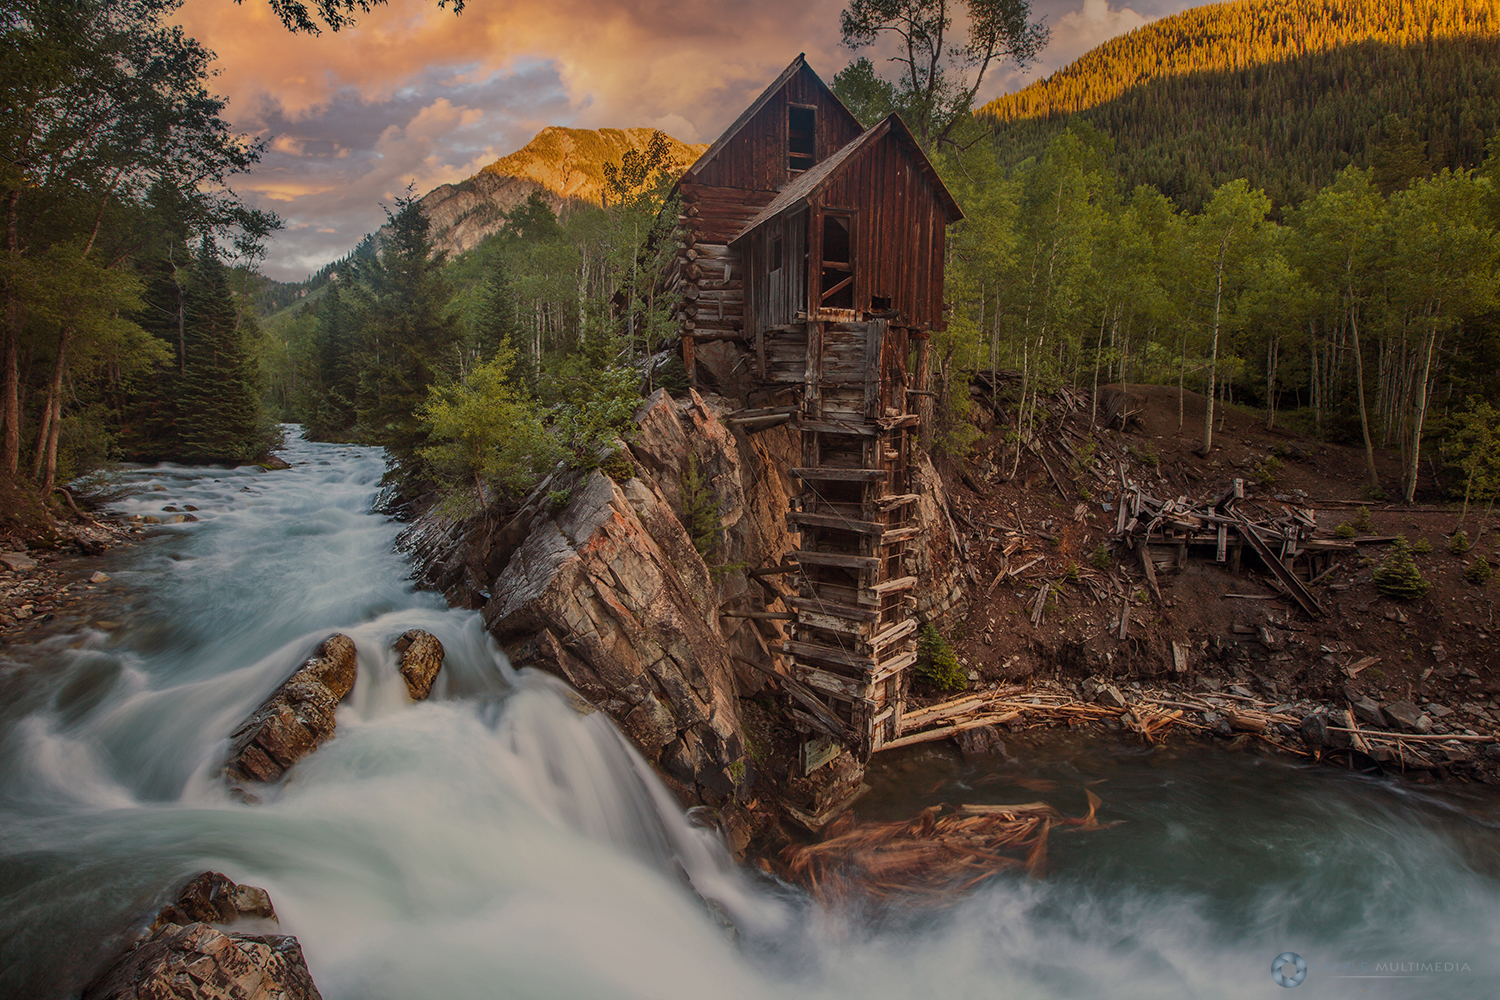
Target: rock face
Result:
[212, 898]
[609, 593]
[185, 958]
[421, 659]
[297, 718]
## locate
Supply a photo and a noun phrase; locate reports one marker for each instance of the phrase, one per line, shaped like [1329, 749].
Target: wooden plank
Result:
[826, 426]
[850, 612]
[856, 630]
[838, 559]
[943, 732]
[761, 616]
[834, 521]
[774, 570]
[828, 654]
[892, 667]
[892, 586]
[841, 475]
[899, 535]
[1223, 552]
[1286, 577]
[899, 500]
[822, 680]
[874, 344]
[898, 631]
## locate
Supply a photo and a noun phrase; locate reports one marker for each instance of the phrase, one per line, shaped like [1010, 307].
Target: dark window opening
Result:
[801, 137]
[776, 253]
[838, 262]
[880, 303]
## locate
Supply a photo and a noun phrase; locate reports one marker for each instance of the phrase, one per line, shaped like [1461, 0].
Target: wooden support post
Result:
[689, 360]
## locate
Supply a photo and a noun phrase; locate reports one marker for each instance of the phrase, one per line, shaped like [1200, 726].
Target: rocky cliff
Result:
[597, 581]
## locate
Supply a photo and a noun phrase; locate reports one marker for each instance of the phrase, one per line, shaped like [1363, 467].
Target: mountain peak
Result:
[561, 164]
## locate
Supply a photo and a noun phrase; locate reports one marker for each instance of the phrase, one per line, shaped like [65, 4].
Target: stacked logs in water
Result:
[942, 851]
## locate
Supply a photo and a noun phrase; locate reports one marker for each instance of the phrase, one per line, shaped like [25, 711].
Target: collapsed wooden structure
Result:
[1166, 533]
[813, 258]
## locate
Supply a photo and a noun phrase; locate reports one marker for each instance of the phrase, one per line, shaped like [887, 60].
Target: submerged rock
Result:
[297, 718]
[189, 955]
[421, 659]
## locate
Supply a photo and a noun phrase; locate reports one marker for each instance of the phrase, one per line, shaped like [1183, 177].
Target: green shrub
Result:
[1070, 572]
[937, 663]
[1478, 572]
[1397, 576]
[1363, 522]
[1102, 558]
[1146, 455]
[1345, 530]
[1459, 544]
[700, 509]
[618, 466]
[558, 499]
[1267, 470]
[1421, 547]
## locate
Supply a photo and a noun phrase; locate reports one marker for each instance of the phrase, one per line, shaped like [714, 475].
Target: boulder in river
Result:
[421, 659]
[297, 718]
[190, 955]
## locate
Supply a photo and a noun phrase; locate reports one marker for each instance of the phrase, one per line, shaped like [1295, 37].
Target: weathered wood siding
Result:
[756, 160]
[775, 297]
[900, 231]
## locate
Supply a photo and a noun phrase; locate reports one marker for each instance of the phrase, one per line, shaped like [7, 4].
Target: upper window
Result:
[801, 137]
[776, 253]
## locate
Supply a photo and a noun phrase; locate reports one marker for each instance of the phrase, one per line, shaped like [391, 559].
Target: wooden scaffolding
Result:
[854, 635]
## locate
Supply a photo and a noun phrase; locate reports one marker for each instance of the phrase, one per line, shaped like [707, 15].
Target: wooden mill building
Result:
[813, 266]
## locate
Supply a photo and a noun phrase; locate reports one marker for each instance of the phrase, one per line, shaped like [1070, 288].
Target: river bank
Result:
[492, 834]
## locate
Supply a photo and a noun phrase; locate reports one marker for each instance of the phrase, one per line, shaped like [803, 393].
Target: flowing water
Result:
[493, 842]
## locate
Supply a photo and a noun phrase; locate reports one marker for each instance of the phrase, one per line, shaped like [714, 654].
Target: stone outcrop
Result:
[297, 718]
[213, 898]
[421, 659]
[607, 591]
[190, 954]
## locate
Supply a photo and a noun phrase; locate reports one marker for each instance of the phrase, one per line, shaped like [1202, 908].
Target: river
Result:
[494, 842]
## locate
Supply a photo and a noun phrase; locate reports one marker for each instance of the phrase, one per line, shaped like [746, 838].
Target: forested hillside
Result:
[1284, 93]
[125, 334]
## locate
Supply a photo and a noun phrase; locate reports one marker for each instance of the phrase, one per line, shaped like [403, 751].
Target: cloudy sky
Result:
[415, 95]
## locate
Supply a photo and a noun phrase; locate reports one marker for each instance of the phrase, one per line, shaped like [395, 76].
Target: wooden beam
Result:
[834, 521]
[898, 631]
[899, 535]
[826, 426]
[842, 475]
[834, 609]
[896, 500]
[828, 654]
[838, 559]
[761, 616]
[774, 570]
[892, 586]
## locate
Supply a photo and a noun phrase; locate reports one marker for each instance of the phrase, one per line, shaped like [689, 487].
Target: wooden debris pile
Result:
[1166, 533]
[942, 851]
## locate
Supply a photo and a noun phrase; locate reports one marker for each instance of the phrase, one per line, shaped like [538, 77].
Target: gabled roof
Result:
[797, 65]
[810, 182]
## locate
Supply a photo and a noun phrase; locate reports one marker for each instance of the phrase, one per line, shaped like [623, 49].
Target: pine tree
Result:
[411, 337]
[222, 418]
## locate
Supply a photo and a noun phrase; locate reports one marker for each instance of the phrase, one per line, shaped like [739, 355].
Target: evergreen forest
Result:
[1284, 206]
